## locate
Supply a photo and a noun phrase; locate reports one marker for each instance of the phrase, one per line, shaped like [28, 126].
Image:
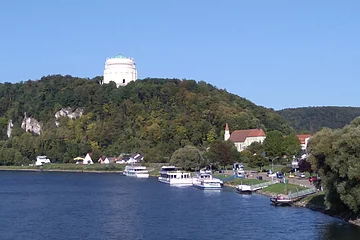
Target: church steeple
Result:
[227, 132]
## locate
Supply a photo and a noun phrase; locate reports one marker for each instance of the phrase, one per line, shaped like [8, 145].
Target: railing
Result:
[263, 185]
[302, 193]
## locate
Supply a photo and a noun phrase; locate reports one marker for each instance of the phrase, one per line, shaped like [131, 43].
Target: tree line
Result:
[152, 116]
[312, 119]
[221, 153]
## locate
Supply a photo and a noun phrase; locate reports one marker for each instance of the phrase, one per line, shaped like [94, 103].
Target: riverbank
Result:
[316, 202]
[96, 168]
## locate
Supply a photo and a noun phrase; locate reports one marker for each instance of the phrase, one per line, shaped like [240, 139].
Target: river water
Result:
[49, 205]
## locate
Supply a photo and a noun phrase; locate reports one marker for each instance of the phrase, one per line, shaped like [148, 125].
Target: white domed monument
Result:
[120, 69]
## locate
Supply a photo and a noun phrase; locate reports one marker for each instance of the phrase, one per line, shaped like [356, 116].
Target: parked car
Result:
[271, 175]
[302, 175]
[291, 175]
[241, 175]
[279, 175]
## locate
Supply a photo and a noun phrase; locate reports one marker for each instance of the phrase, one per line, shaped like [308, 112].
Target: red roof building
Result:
[304, 138]
[244, 138]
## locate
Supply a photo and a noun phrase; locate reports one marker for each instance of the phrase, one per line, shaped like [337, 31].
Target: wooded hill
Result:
[151, 116]
[312, 119]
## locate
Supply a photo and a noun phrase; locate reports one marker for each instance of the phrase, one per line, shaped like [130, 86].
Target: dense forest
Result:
[151, 116]
[312, 119]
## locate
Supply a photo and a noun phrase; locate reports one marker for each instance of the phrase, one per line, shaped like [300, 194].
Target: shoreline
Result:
[322, 209]
[59, 170]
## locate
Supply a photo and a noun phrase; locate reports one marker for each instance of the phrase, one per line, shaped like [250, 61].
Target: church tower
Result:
[227, 132]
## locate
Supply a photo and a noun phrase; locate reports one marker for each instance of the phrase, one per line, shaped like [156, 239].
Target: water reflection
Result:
[211, 192]
[339, 231]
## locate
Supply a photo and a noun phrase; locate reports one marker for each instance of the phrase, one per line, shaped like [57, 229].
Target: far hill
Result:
[151, 116]
[310, 119]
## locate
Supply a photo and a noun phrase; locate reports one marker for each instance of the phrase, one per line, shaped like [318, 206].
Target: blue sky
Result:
[275, 53]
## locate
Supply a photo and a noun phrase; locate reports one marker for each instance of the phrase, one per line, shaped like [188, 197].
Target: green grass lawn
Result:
[244, 181]
[317, 199]
[279, 188]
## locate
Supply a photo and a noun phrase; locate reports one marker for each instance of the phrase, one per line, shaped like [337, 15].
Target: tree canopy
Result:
[154, 117]
[335, 155]
[312, 119]
[222, 153]
[188, 158]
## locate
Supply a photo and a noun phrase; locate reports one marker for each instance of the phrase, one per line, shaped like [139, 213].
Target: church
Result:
[244, 138]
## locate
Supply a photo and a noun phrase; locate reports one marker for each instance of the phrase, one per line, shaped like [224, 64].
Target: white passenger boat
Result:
[173, 176]
[206, 181]
[136, 171]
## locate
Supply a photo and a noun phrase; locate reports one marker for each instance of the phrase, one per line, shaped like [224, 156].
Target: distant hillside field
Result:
[310, 119]
[151, 116]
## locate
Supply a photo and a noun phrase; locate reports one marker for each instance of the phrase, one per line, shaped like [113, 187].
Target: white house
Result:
[120, 69]
[87, 159]
[41, 160]
[244, 138]
[103, 161]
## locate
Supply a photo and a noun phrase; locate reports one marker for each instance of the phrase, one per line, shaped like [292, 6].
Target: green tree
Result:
[258, 161]
[292, 145]
[188, 158]
[246, 156]
[223, 153]
[273, 144]
[256, 147]
[334, 154]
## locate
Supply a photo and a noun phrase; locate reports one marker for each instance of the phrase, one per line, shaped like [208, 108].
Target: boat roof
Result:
[179, 171]
[136, 167]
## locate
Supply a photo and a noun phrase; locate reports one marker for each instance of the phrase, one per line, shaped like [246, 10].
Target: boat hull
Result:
[176, 182]
[280, 202]
[244, 191]
[137, 175]
[208, 187]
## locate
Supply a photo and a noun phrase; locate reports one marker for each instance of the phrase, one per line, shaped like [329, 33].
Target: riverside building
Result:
[120, 69]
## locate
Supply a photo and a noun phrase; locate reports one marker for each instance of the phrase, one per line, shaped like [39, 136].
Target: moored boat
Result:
[136, 171]
[244, 189]
[206, 181]
[281, 200]
[173, 176]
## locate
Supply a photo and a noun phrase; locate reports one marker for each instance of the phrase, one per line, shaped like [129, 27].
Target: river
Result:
[50, 205]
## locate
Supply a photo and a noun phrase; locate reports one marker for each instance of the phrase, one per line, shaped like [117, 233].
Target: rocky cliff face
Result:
[31, 125]
[9, 128]
[67, 112]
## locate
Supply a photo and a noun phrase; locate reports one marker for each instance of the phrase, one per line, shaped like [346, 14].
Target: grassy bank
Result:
[244, 181]
[237, 181]
[69, 167]
[281, 188]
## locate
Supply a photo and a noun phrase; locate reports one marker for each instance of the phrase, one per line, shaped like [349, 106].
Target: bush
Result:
[286, 169]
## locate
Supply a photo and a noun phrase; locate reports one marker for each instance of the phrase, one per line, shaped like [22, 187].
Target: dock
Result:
[286, 200]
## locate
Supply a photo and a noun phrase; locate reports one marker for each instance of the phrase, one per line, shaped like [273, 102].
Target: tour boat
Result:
[136, 171]
[206, 181]
[173, 176]
[244, 188]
